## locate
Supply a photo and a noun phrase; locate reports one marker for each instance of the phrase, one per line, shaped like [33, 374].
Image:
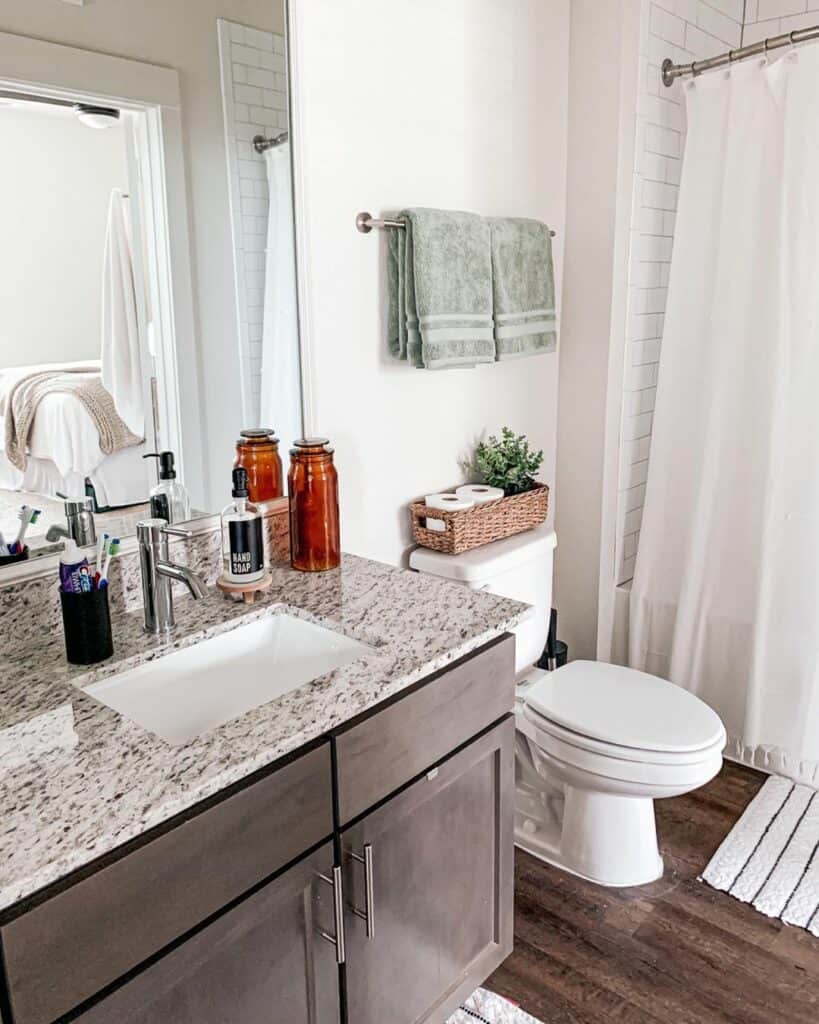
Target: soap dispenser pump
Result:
[169, 498]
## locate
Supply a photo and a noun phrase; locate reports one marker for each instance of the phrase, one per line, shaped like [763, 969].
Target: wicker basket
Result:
[480, 524]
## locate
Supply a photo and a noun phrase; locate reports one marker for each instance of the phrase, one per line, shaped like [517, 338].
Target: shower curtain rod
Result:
[671, 70]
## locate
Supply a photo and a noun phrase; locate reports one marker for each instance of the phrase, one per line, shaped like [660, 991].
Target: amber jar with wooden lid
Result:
[312, 483]
[257, 451]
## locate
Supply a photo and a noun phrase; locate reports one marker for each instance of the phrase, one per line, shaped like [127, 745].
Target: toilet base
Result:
[603, 838]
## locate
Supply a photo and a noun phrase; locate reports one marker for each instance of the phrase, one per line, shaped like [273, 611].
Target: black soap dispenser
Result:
[242, 537]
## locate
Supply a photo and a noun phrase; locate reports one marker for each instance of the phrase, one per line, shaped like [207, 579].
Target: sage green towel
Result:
[523, 283]
[440, 290]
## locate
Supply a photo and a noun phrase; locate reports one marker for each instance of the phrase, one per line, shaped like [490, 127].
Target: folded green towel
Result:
[523, 284]
[440, 290]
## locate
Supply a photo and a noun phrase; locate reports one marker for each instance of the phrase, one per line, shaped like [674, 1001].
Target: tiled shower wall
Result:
[764, 18]
[254, 87]
[684, 30]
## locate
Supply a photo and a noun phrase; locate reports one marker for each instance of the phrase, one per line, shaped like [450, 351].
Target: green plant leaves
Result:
[509, 462]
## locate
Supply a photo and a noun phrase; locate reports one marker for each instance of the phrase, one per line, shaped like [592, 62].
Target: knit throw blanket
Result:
[85, 384]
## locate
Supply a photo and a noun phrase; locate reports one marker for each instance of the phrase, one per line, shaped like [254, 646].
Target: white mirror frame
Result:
[65, 72]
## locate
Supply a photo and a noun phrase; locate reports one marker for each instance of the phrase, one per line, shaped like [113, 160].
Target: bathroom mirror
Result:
[147, 266]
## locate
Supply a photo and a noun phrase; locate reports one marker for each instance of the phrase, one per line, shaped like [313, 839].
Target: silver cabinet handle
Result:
[368, 914]
[338, 913]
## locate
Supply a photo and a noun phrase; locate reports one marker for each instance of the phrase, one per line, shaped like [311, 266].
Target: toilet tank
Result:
[519, 567]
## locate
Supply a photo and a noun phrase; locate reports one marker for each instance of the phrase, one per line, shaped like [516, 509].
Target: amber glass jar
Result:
[315, 544]
[257, 451]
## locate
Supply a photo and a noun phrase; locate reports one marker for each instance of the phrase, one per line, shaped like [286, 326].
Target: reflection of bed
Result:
[64, 451]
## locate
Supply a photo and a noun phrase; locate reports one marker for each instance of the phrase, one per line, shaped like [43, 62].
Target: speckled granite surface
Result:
[77, 779]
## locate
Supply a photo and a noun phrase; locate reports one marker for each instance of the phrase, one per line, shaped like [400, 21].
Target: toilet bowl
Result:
[595, 743]
[611, 741]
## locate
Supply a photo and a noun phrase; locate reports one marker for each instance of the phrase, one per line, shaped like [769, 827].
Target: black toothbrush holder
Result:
[87, 626]
[20, 556]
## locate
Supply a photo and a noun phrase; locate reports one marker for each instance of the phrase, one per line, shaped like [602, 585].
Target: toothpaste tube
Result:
[72, 563]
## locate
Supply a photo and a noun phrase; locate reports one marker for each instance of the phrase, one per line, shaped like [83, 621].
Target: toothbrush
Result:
[102, 546]
[113, 549]
[27, 516]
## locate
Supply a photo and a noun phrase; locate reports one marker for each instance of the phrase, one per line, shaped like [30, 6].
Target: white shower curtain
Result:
[725, 599]
[281, 381]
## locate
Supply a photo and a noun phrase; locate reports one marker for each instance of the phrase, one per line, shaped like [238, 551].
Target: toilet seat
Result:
[623, 713]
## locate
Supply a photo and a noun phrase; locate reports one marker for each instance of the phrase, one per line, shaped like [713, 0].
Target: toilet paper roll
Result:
[449, 502]
[479, 493]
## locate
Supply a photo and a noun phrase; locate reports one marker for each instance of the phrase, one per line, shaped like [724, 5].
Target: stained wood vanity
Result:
[366, 878]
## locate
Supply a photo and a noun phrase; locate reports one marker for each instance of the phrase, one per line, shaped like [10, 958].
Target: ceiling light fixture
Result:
[96, 117]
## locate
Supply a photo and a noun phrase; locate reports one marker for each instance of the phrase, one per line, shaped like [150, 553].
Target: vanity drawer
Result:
[73, 945]
[383, 752]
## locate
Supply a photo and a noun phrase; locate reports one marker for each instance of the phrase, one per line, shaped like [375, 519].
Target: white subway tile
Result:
[733, 8]
[673, 171]
[780, 8]
[244, 55]
[659, 196]
[258, 39]
[630, 547]
[651, 222]
[649, 300]
[760, 30]
[645, 275]
[666, 26]
[664, 141]
[637, 426]
[632, 521]
[640, 377]
[642, 326]
[797, 21]
[249, 94]
[720, 25]
[261, 77]
[635, 497]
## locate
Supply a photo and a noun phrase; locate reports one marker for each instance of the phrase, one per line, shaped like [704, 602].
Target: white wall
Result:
[180, 34]
[450, 103]
[602, 96]
[56, 177]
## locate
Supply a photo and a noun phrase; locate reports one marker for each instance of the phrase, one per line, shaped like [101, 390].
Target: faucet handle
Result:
[175, 531]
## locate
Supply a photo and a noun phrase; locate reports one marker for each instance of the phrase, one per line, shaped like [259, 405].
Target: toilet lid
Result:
[624, 707]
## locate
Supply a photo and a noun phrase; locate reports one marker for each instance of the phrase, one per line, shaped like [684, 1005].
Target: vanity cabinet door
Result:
[440, 862]
[262, 962]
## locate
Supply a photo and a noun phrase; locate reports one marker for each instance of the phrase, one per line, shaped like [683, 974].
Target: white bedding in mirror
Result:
[64, 450]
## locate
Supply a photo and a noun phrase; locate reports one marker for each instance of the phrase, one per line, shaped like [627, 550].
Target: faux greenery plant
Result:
[508, 463]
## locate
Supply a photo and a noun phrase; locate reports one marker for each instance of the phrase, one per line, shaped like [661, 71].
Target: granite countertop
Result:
[77, 779]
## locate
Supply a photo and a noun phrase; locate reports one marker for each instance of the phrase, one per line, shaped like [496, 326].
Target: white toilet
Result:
[596, 744]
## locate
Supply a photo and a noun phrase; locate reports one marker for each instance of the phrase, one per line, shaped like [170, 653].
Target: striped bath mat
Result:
[770, 858]
[484, 1007]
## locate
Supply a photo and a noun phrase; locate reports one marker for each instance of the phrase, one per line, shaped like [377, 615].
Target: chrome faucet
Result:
[79, 515]
[158, 573]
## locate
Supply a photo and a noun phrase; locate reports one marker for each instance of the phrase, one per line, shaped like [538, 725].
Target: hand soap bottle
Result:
[169, 499]
[242, 539]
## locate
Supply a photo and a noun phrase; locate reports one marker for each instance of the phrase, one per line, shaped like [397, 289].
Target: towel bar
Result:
[365, 222]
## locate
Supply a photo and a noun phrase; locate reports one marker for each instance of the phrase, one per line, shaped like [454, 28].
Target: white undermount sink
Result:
[181, 695]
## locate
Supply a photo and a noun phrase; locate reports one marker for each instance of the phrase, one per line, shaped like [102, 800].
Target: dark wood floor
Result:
[674, 952]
